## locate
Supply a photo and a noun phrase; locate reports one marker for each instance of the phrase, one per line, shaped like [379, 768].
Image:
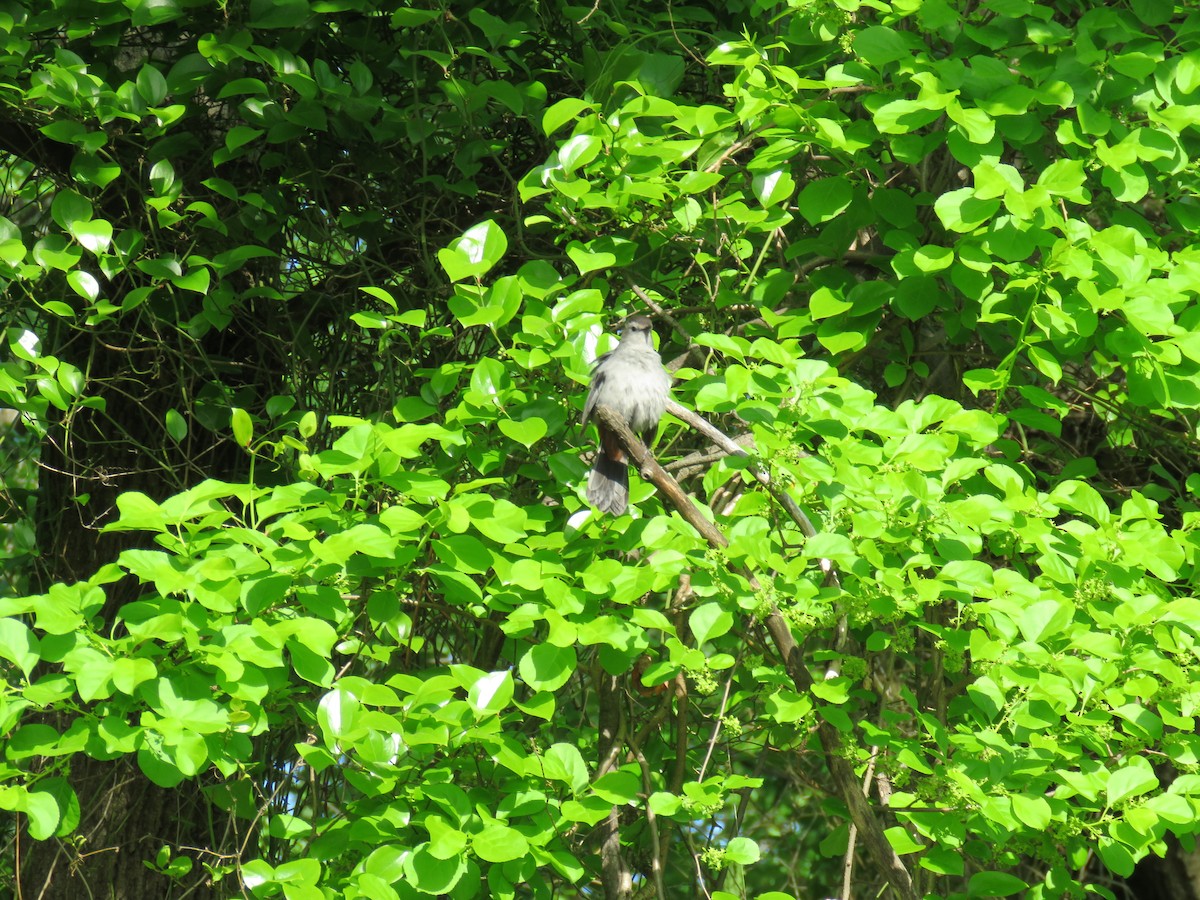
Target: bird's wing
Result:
[598, 376]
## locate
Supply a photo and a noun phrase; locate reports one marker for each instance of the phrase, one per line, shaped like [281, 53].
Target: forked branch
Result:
[847, 785]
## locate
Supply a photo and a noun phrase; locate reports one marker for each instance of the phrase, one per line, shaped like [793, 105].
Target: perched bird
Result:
[632, 381]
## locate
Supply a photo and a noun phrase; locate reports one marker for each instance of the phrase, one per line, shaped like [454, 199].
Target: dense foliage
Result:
[304, 599]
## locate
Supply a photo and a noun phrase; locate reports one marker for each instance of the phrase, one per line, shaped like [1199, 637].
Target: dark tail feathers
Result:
[608, 485]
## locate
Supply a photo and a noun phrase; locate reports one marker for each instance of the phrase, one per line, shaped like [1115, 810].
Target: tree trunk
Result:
[126, 819]
[1173, 877]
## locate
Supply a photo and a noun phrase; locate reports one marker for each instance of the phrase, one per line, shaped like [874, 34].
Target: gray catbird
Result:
[630, 379]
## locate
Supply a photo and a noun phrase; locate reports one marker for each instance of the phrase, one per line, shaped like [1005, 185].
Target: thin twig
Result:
[731, 446]
[656, 866]
[614, 873]
[848, 868]
[712, 743]
[661, 313]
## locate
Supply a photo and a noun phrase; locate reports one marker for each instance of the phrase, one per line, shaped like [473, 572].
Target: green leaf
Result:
[1128, 184]
[162, 177]
[526, 432]
[1045, 362]
[962, 211]
[338, 712]
[904, 116]
[196, 280]
[1065, 177]
[381, 294]
[664, 804]
[298, 871]
[579, 151]
[976, 124]
[1151, 315]
[65, 607]
[879, 45]
[65, 132]
[466, 553]
[240, 135]
[832, 690]
[563, 112]
[257, 872]
[902, 842]
[241, 86]
[941, 860]
[405, 17]
[18, 645]
[430, 875]
[288, 826]
[995, 884]
[159, 769]
[602, 253]
[243, 427]
[774, 188]
[546, 667]
[151, 85]
[307, 426]
[977, 380]
[128, 673]
[1082, 498]
[363, 538]
[65, 799]
[1130, 781]
[499, 843]
[313, 667]
[620, 787]
[138, 513]
[52, 252]
[564, 762]
[43, 814]
[491, 692]
[931, 258]
[176, 425]
[499, 303]
[709, 621]
[94, 235]
[69, 209]
[1116, 857]
[188, 752]
[1034, 811]
[1044, 618]
[445, 842]
[475, 253]
[84, 284]
[70, 379]
[742, 850]
[821, 200]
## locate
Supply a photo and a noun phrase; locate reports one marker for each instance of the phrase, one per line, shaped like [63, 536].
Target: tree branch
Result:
[732, 447]
[845, 781]
[25, 141]
[614, 872]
